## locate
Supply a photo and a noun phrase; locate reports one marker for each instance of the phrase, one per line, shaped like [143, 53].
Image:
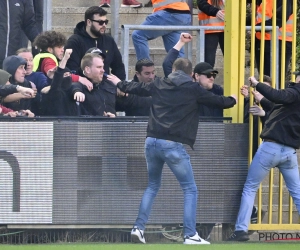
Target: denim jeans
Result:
[268, 155]
[158, 152]
[170, 38]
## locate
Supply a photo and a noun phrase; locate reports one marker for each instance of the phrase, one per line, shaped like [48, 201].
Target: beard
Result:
[95, 32]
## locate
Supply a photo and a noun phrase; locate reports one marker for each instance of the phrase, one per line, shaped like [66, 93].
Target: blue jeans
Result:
[158, 152]
[170, 38]
[268, 155]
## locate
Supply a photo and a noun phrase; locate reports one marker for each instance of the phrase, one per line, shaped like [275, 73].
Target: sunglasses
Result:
[209, 75]
[101, 22]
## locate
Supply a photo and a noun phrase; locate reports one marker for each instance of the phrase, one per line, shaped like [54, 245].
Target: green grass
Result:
[115, 246]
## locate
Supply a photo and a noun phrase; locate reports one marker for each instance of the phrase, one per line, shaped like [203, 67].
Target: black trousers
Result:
[211, 44]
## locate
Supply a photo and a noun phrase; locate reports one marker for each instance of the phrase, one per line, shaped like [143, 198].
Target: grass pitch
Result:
[115, 246]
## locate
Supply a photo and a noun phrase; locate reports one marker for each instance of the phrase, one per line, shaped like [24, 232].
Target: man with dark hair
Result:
[135, 105]
[51, 45]
[90, 33]
[281, 138]
[173, 121]
[15, 16]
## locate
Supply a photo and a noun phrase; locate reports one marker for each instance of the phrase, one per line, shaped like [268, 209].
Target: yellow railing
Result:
[234, 75]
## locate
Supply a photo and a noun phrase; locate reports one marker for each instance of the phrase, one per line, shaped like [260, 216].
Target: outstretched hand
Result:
[253, 81]
[114, 79]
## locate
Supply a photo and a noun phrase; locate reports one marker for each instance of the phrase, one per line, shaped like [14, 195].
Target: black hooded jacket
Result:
[15, 16]
[59, 100]
[283, 124]
[81, 41]
[11, 64]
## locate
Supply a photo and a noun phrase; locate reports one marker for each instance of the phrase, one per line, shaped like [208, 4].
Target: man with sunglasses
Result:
[205, 75]
[91, 33]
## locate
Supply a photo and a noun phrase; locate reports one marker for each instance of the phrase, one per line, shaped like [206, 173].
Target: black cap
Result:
[204, 68]
[96, 50]
[297, 73]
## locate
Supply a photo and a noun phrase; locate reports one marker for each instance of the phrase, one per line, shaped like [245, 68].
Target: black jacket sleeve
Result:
[29, 24]
[141, 89]
[74, 61]
[279, 96]
[6, 90]
[169, 60]
[57, 78]
[117, 65]
[207, 8]
[266, 104]
[209, 99]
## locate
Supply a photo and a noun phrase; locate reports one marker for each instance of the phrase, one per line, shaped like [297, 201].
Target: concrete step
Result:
[70, 16]
[83, 3]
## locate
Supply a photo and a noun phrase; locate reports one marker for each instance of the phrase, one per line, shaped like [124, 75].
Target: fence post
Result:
[47, 20]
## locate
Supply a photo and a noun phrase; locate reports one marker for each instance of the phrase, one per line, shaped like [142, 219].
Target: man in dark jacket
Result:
[101, 100]
[91, 33]
[135, 105]
[15, 16]
[281, 138]
[62, 98]
[173, 121]
[15, 65]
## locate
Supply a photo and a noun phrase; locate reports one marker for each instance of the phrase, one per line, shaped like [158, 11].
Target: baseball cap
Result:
[297, 73]
[204, 68]
[97, 51]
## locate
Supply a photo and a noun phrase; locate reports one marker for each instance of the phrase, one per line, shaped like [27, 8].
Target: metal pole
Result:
[115, 5]
[189, 47]
[47, 20]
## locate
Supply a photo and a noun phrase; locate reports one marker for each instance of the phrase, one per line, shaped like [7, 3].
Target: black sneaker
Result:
[254, 215]
[238, 236]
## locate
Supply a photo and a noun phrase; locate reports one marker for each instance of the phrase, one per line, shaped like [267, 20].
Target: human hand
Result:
[257, 96]
[86, 83]
[46, 89]
[235, 98]
[79, 97]
[12, 114]
[109, 114]
[256, 110]
[28, 113]
[27, 92]
[185, 37]
[221, 15]
[114, 79]
[50, 72]
[253, 81]
[68, 53]
[244, 91]
[120, 93]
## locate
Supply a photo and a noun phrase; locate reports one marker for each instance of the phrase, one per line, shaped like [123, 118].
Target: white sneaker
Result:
[137, 235]
[196, 239]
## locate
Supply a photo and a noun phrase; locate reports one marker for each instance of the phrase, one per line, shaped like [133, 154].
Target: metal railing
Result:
[200, 38]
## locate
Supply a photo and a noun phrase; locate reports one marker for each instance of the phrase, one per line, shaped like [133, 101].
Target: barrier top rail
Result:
[200, 36]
